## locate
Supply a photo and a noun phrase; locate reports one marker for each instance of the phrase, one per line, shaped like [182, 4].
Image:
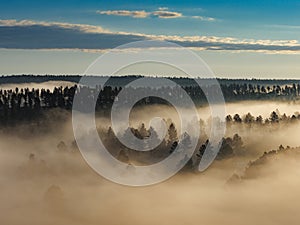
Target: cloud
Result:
[81, 27]
[166, 14]
[29, 34]
[203, 18]
[161, 13]
[163, 8]
[135, 14]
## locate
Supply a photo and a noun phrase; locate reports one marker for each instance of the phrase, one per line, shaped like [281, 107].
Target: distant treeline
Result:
[23, 104]
[121, 80]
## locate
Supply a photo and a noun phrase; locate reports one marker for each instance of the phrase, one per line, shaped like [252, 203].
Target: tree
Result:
[237, 141]
[172, 134]
[226, 149]
[249, 118]
[281, 148]
[274, 118]
[259, 119]
[173, 146]
[284, 117]
[228, 118]
[237, 118]
[142, 131]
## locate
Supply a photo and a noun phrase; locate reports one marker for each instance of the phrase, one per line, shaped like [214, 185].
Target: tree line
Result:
[28, 103]
[275, 117]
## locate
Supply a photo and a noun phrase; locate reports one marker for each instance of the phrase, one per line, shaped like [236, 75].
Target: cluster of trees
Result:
[252, 169]
[28, 103]
[275, 117]
[271, 155]
[230, 146]
[125, 154]
[25, 104]
[251, 91]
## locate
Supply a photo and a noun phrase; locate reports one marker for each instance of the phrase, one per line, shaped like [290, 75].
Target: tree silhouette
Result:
[249, 118]
[172, 136]
[274, 118]
[237, 118]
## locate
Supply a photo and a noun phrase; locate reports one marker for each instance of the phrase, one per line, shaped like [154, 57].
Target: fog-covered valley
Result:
[45, 180]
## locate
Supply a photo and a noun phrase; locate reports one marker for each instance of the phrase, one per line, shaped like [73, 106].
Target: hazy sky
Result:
[236, 38]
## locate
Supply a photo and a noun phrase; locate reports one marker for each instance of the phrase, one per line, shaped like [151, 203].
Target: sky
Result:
[237, 39]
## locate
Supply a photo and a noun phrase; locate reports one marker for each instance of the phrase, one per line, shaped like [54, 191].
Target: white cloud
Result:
[203, 18]
[163, 8]
[29, 34]
[135, 14]
[162, 13]
[166, 14]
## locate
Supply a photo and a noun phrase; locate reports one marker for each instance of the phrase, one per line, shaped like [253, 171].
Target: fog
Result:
[262, 138]
[43, 181]
[262, 108]
[44, 85]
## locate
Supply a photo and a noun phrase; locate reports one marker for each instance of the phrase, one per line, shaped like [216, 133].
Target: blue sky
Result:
[236, 38]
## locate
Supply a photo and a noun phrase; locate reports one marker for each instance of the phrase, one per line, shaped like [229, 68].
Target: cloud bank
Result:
[29, 34]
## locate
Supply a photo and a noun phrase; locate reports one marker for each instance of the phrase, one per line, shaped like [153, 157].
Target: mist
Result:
[44, 85]
[45, 180]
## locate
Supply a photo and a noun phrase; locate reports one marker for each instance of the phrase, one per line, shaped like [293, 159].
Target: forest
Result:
[44, 176]
[27, 103]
